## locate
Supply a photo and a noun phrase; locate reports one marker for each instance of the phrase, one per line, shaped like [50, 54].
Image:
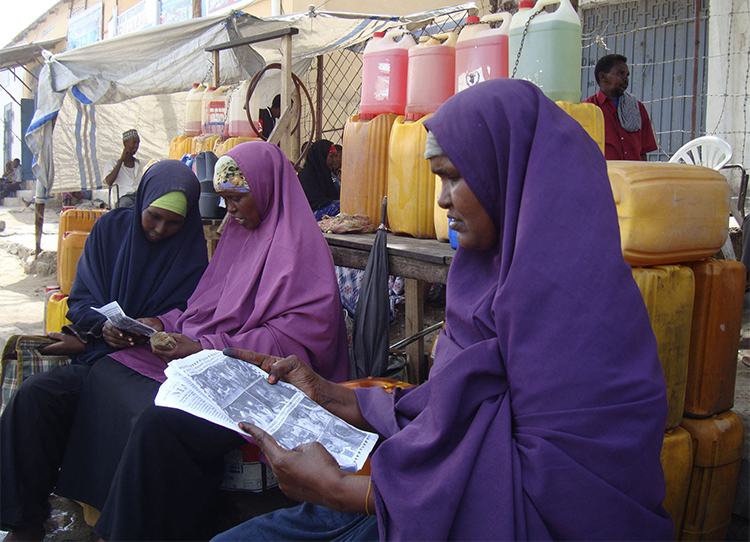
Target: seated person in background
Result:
[153, 472]
[149, 259]
[8, 184]
[269, 115]
[627, 129]
[125, 172]
[543, 416]
[320, 184]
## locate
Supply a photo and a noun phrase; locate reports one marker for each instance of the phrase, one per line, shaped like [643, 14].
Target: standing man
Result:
[627, 129]
[126, 172]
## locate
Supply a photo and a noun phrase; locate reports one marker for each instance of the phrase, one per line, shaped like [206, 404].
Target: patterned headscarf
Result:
[228, 176]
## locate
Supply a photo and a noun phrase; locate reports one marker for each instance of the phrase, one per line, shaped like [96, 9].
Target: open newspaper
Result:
[123, 322]
[227, 391]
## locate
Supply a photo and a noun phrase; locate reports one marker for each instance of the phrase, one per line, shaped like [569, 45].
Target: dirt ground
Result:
[22, 293]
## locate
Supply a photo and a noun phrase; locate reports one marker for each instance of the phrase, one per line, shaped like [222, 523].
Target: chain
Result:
[523, 38]
[208, 73]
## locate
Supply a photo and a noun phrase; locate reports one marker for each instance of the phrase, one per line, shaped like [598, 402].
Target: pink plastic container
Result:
[430, 75]
[482, 51]
[384, 68]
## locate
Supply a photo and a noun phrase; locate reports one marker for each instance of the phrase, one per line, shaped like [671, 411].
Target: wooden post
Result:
[216, 68]
[414, 320]
[286, 90]
[38, 223]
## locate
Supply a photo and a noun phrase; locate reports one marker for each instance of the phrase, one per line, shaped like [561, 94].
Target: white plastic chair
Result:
[708, 151]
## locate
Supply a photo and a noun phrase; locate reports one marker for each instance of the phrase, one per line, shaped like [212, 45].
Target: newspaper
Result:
[227, 391]
[121, 321]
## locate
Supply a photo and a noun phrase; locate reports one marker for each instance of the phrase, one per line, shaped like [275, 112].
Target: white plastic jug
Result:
[238, 124]
[193, 104]
[551, 50]
[430, 75]
[384, 70]
[214, 103]
[482, 51]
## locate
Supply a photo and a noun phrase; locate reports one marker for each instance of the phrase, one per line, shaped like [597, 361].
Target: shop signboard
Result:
[144, 14]
[212, 6]
[85, 27]
[174, 11]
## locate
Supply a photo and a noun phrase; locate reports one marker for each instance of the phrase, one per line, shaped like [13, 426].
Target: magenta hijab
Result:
[544, 413]
[271, 290]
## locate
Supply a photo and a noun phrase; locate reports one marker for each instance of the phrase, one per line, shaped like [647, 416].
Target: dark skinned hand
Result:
[309, 473]
[292, 370]
[183, 348]
[66, 345]
[116, 338]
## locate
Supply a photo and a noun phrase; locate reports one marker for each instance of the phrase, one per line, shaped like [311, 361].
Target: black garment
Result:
[268, 121]
[112, 399]
[34, 429]
[316, 178]
[179, 459]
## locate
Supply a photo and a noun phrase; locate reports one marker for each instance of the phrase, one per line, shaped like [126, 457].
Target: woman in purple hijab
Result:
[544, 413]
[270, 287]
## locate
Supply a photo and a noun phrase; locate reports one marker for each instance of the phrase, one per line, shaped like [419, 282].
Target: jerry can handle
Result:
[502, 16]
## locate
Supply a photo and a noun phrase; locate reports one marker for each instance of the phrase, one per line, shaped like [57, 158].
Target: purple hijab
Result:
[544, 413]
[272, 290]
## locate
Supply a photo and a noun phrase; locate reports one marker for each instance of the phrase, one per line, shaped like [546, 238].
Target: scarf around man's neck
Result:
[629, 112]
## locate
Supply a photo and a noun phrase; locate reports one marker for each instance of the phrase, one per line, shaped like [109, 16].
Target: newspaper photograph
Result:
[227, 391]
[121, 321]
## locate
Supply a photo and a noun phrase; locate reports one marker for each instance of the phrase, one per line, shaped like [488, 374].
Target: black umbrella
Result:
[372, 318]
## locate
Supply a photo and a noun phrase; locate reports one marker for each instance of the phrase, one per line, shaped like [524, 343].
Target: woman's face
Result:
[242, 207]
[473, 226]
[159, 224]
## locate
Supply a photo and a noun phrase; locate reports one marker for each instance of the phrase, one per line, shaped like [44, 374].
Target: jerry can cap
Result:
[526, 4]
[378, 35]
[472, 19]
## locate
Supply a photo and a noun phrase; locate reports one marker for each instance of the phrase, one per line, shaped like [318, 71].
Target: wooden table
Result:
[418, 261]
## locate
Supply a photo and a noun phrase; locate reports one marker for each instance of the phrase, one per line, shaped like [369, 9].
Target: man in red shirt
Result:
[627, 129]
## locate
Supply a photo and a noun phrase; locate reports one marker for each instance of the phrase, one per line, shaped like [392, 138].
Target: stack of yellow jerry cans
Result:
[673, 218]
[74, 228]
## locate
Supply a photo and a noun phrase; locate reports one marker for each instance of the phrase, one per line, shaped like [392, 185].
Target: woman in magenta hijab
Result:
[270, 287]
[543, 416]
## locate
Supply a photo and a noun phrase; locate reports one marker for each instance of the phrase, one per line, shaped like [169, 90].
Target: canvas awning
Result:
[169, 58]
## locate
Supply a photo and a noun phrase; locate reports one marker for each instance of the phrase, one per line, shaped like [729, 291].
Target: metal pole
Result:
[11, 96]
[696, 49]
[319, 100]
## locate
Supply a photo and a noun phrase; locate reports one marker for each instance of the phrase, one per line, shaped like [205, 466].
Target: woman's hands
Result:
[155, 323]
[66, 345]
[292, 370]
[183, 348]
[309, 473]
[121, 339]
[336, 399]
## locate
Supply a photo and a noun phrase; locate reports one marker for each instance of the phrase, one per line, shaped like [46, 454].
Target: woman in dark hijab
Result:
[543, 416]
[321, 186]
[148, 258]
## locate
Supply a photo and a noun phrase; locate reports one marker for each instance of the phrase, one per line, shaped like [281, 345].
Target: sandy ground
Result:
[22, 292]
